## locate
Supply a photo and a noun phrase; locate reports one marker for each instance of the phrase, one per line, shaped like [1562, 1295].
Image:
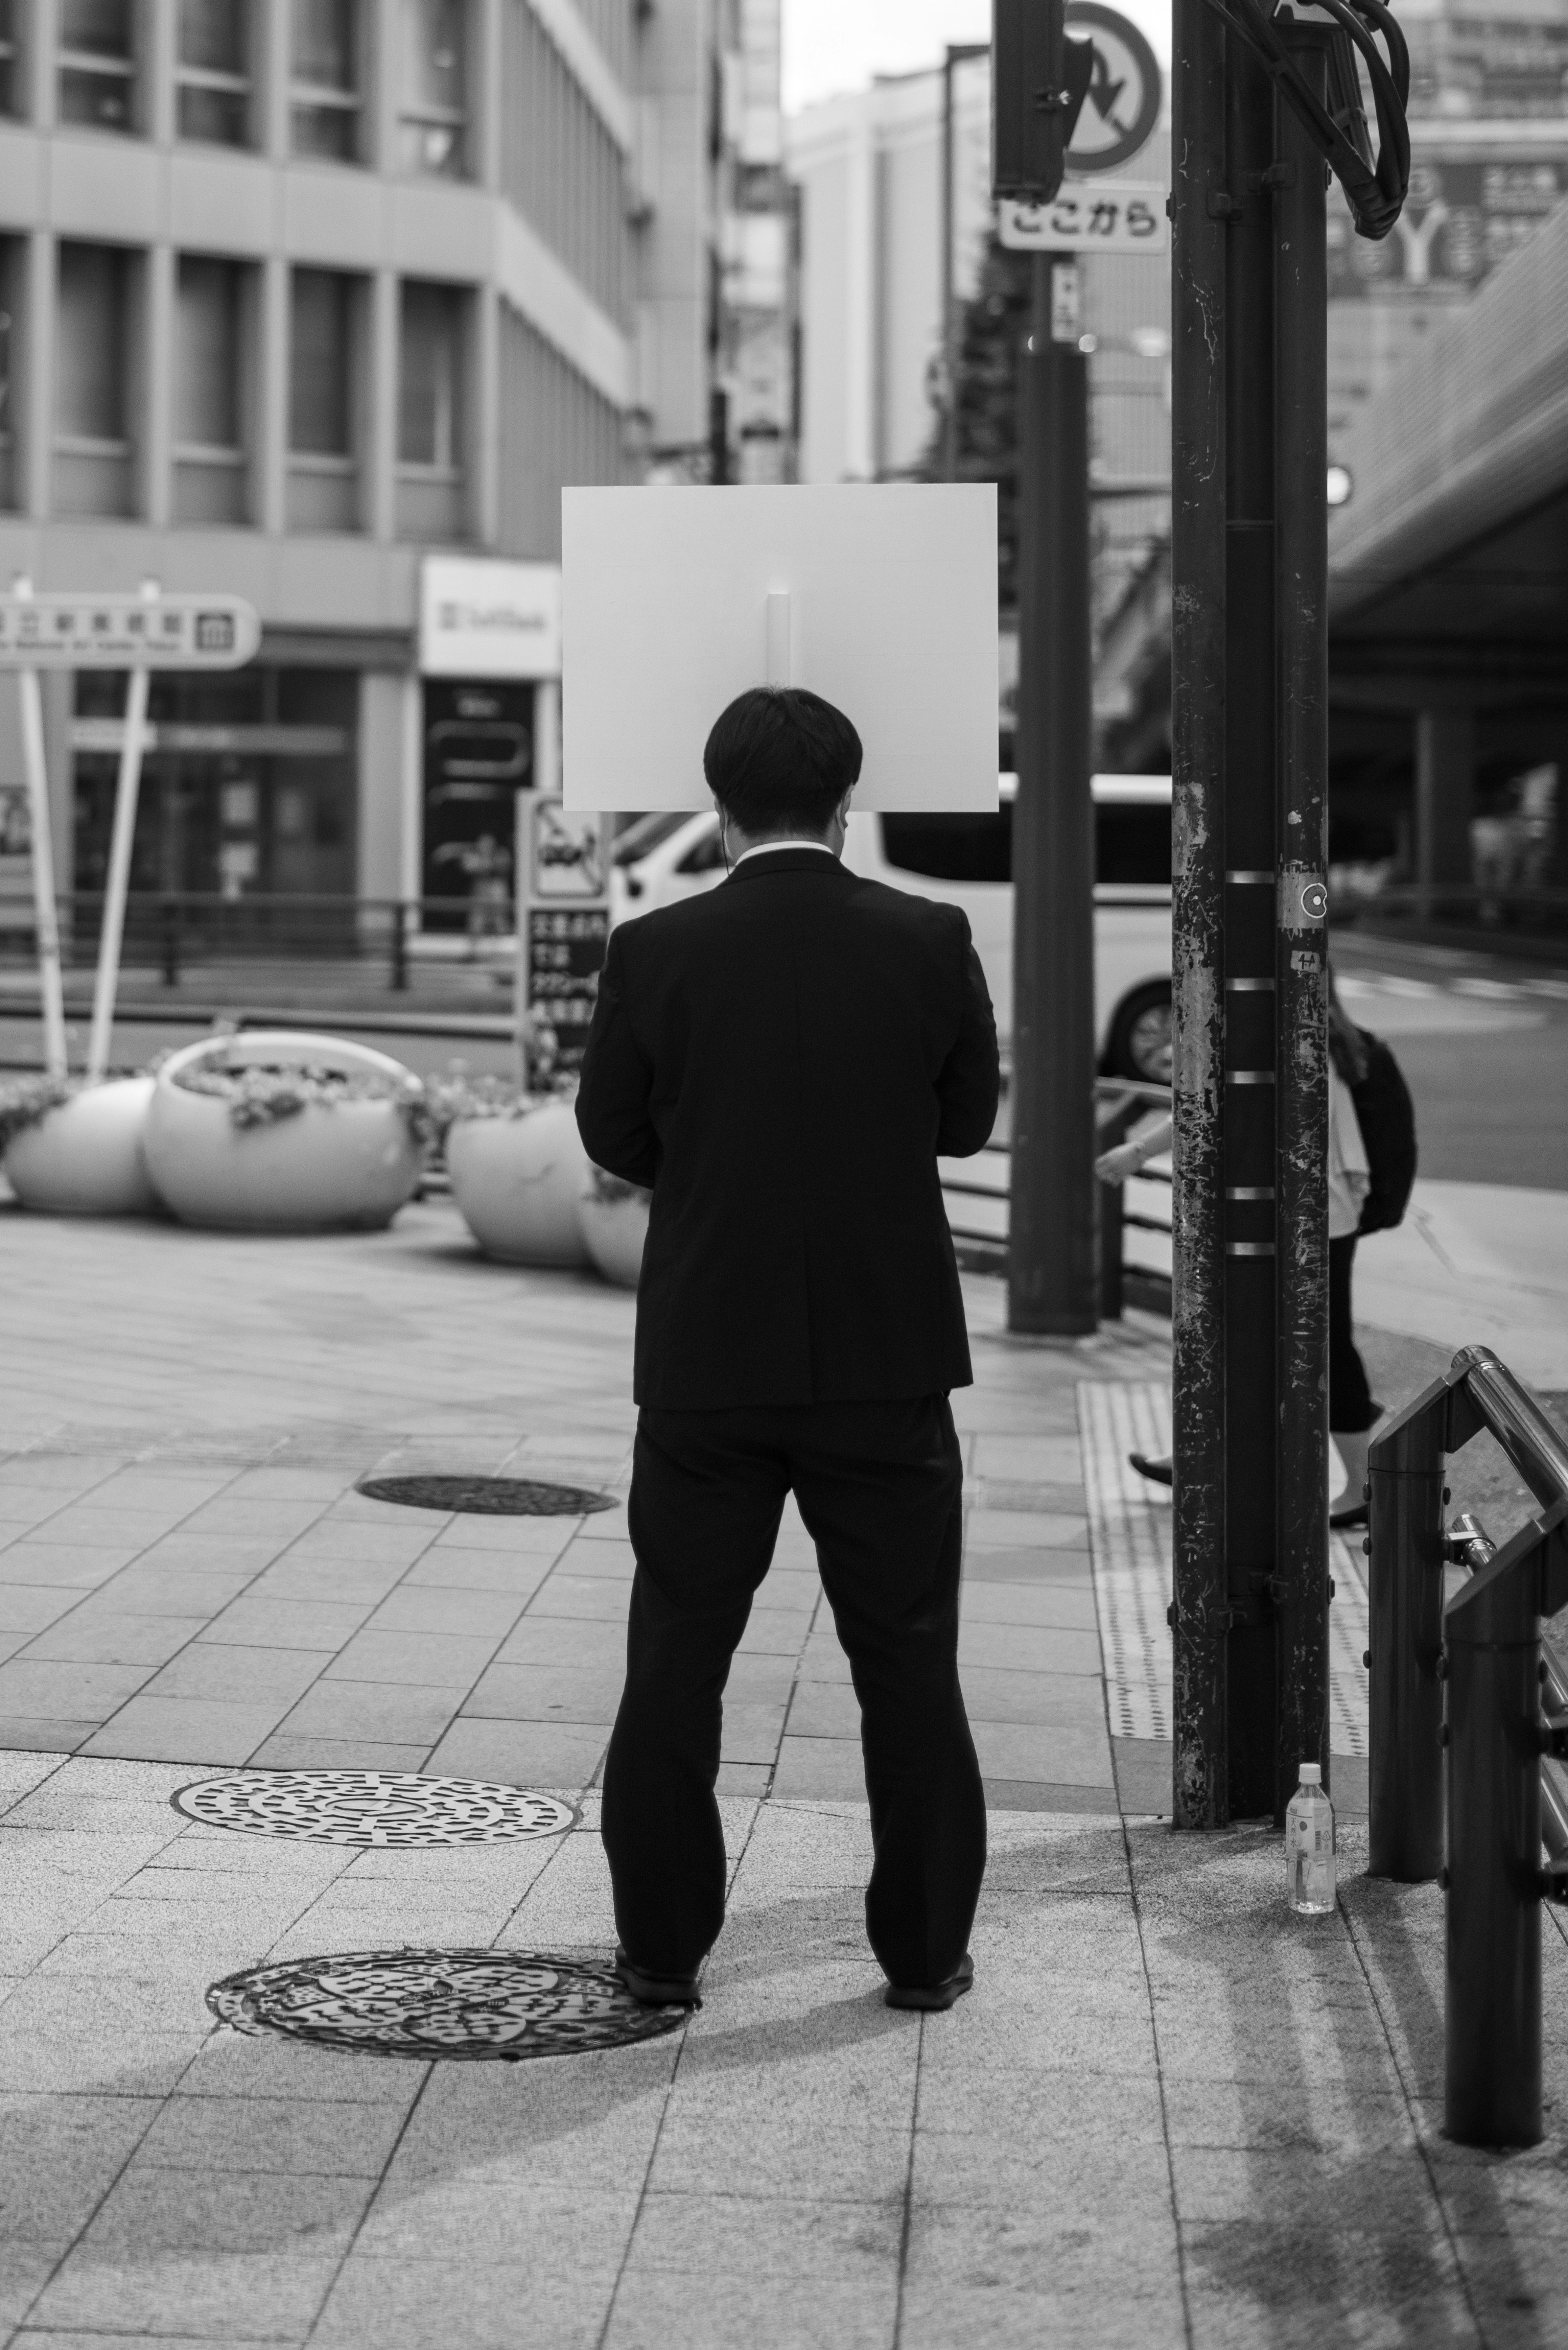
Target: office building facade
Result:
[298, 295]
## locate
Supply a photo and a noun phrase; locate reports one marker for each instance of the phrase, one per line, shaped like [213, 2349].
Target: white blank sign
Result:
[882, 598]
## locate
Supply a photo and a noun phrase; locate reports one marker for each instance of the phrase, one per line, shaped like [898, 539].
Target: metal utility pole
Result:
[1253, 121]
[1051, 1283]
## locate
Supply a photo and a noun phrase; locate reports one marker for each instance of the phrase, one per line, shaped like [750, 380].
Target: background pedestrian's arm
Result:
[970, 1085]
[613, 1097]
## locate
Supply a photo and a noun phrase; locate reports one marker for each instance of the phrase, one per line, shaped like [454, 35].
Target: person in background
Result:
[1370, 1174]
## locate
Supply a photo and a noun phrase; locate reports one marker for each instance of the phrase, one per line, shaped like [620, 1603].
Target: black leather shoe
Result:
[656, 1991]
[1353, 1514]
[940, 1995]
[1157, 1471]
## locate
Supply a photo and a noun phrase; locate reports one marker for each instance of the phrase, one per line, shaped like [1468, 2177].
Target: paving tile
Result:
[189, 2293]
[600, 1557]
[1028, 1647]
[547, 1693]
[825, 1709]
[774, 1632]
[31, 1608]
[416, 2304]
[820, 1766]
[751, 1732]
[386, 1712]
[599, 1597]
[284, 1752]
[519, 1575]
[992, 1693]
[1017, 1529]
[264, 1619]
[1063, 1566]
[71, 1566]
[654, 2308]
[96, 1634]
[299, 2137]
[165, 1591]
[49, 1734]
[72, 1690]
[542, 1640]
[523, 1753]
[487, 1615]
[1057, 1605]
[187, 1730]
[209, 1668]
[1072, 1755]
[358, 1583]
[60, 2157]
[440, 1659]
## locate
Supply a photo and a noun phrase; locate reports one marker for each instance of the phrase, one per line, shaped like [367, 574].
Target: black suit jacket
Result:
[781, 1061]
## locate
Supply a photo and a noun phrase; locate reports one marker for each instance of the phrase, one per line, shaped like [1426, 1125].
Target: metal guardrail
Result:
[1120, 1103]
[176, 930]
[1457, 1727]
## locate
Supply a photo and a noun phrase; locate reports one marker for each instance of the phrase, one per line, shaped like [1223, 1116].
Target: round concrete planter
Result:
[516, 1181]
[615, 1225]
[330, 1166]
[85, 1158]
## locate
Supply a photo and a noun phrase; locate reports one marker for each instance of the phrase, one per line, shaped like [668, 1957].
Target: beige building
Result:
[295, 294]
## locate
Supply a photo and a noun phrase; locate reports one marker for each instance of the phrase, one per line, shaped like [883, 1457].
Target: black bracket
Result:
[1554, 1737]
[1224, 207]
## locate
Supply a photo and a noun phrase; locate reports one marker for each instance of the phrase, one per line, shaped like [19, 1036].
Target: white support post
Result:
[117, 884]
[45, 914]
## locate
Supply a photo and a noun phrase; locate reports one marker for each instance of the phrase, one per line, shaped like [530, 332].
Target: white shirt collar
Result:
[767, 848]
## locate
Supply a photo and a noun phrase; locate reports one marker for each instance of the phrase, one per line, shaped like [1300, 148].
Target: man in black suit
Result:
[780, 1062]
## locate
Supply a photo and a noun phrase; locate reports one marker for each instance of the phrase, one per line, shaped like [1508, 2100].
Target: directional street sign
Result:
[1121, 113]
[1110, 216]
[91, 631]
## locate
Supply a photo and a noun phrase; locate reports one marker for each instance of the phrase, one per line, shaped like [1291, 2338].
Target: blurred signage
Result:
[479, 618]
[566, 954]
[568, 855]
[1120, 114]
[478, 754]
[57, 631]
[1116, 216]
[1486, 59]
[1462, 221]
[15, 858]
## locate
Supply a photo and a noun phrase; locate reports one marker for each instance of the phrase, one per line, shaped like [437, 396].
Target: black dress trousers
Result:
[879, 1488]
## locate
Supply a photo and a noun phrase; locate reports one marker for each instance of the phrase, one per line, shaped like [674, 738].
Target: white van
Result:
[967, 860]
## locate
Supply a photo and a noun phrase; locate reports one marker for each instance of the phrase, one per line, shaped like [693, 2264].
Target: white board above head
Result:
[880, 597]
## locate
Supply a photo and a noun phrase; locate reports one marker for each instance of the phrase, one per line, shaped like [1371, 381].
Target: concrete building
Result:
[298, 294]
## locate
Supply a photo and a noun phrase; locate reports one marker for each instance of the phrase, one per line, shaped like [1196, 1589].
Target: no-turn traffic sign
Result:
[1121, 112]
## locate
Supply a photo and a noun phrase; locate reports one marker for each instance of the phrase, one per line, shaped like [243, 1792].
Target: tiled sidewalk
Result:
[187, 1572]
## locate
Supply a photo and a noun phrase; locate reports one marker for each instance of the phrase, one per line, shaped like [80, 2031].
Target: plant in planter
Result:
[615, 1225]
[283, 1131]
[74, 1149]
[516, 1164]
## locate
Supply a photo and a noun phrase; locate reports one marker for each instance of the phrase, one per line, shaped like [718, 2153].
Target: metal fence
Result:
[977, 1191]
[1458, 1726]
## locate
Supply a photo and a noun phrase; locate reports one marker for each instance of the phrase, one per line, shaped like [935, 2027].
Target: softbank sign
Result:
[489, 619]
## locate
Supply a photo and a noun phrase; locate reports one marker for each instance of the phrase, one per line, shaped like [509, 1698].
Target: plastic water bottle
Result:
[1309, 1847]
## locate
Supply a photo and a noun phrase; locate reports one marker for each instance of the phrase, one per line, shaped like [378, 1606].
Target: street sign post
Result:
[563, 920]
[1052, 1286]
[137, 633]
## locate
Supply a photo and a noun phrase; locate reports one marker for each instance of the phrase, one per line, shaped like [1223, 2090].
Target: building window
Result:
[210, 466]
[10, 76]
[11, 263]
[323, 401]
[98, 63]
[324, 96]
[214, 72]
[92, 349]
[430, 117]
[431, 412]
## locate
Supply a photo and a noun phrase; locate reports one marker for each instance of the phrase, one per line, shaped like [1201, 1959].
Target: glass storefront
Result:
[478, 754]
[249, 789]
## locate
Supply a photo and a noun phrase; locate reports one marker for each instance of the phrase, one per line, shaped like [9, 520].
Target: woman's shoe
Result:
[940, 1995]
[656, 1991]
[1157, 1471]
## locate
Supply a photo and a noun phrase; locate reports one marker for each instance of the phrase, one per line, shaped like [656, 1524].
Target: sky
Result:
[833, 45]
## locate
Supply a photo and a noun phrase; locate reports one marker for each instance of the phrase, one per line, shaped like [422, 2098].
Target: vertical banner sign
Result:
[568, 920]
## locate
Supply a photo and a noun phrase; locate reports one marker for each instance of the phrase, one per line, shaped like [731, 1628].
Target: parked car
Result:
[968, 861]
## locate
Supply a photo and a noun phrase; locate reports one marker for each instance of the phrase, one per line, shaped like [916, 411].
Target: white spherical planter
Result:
[615, 1226]
[85, 1158]
[516, 1181]
[330, 1166]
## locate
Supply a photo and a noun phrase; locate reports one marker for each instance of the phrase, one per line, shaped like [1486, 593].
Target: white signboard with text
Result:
[1109, 216]
[480, 618]
[116, 632]
[881, 599]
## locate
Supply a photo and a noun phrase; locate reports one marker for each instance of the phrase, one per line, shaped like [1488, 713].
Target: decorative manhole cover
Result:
[490, 1497]
[469, 2005]
[371, 1807]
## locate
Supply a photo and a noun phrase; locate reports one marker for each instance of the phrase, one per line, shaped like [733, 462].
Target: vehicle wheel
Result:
[1140, 1035]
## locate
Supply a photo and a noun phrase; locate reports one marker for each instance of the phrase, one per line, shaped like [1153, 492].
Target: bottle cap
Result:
[1312, 1775]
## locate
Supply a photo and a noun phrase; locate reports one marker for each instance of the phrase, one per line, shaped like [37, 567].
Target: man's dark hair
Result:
[780, 760]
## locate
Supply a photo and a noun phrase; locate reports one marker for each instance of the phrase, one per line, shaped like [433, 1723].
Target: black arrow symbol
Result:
[1104, 91]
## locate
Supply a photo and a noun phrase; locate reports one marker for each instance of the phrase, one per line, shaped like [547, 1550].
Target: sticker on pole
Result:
[1120, 112]
[1117, 216]
[92, 632]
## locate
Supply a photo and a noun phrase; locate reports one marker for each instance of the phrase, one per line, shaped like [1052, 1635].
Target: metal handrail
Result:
[1459, 1790]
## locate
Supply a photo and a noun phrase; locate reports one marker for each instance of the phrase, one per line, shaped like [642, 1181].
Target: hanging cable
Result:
[1374, 187]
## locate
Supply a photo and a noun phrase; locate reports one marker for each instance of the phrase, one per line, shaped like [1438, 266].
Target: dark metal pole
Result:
[1301, 513]
[1051, 1278]
[1405, 1580]
[1493, 2019]
[1200, 1798]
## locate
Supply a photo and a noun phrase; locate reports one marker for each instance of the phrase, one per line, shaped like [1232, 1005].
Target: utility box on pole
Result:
[1264, 91]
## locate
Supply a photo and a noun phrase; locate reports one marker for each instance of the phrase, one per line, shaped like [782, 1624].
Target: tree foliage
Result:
[993, 329]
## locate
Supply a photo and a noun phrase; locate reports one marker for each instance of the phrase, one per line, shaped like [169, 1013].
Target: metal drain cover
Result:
[376, 1808]
[470, 2006]
[490, 1497]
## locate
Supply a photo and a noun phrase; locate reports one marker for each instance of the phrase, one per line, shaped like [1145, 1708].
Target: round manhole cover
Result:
[371, 1807]
[490, 1497]
[469, 2005]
